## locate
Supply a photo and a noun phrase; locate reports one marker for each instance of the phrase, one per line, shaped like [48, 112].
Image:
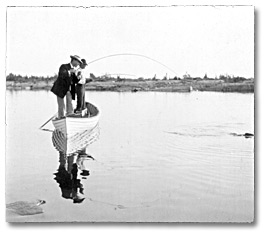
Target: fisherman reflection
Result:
[66, 177]
[82, 156]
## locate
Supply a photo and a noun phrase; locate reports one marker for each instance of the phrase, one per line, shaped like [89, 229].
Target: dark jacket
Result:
[64, 82]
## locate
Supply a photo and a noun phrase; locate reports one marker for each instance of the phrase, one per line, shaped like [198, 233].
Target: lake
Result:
[159, 157]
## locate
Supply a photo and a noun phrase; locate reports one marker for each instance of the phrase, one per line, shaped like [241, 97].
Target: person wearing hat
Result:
[64, 86]
[80, 86]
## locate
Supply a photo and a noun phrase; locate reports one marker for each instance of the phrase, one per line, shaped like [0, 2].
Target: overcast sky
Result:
[192, 39]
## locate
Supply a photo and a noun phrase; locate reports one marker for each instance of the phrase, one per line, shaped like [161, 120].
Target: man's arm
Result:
[63, 72]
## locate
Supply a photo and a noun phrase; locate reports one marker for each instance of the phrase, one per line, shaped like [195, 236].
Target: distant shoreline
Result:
[184, 85]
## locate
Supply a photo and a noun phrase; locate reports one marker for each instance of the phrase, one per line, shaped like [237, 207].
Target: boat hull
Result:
[71, 125]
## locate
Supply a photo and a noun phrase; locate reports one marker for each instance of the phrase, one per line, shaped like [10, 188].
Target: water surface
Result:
[159, 157]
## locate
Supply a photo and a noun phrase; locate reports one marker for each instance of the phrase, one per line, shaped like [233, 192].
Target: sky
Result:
[176, 40]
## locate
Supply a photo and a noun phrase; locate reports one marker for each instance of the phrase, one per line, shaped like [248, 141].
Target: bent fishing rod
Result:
[132, 54]
[115, 55]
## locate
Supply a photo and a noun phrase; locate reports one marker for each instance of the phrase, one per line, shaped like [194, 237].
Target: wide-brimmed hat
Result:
[76, 57]
[84, 62]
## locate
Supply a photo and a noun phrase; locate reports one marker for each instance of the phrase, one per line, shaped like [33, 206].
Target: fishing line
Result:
[132, 54]
[114, 55]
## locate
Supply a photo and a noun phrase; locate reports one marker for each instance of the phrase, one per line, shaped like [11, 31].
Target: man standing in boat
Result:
[64, 86]
[80, 86]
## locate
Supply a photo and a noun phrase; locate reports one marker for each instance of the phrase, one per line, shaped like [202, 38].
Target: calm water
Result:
[159, 157]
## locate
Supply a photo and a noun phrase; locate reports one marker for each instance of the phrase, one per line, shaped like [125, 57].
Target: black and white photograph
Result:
[130, 114]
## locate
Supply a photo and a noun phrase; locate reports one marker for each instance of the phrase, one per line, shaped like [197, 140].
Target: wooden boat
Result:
[70, 125]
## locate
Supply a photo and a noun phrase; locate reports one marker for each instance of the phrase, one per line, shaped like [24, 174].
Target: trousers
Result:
[61, 105]
[80, 91]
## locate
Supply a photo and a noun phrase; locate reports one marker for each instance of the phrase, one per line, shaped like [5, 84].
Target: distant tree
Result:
[186, 76]
[223, 77]
[165, 77]
[11, 77]
[120, 79]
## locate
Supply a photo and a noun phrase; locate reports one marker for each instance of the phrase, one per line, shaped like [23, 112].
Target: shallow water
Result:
[159, 157]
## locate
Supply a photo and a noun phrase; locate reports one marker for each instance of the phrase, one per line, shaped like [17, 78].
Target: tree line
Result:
[21, 79]
[48, 79]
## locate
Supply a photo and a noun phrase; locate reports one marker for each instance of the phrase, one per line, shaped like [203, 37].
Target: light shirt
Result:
[80, 73]
[72, 67]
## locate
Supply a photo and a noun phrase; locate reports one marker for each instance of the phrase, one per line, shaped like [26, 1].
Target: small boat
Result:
[76, 123]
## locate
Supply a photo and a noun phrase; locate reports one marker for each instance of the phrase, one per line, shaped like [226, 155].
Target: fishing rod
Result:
[132, 54]
[114, 55]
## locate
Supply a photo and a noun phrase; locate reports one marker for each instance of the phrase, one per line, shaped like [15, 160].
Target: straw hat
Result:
[76, 57]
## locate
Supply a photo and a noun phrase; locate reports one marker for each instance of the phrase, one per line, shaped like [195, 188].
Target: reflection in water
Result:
[70, 145]
[72, 155]
[67, 178]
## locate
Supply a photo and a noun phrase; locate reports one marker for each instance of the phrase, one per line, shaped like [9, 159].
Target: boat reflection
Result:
[76, 142]
[72, 157]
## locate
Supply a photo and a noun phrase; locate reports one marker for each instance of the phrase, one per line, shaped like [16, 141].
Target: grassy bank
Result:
[184, 85]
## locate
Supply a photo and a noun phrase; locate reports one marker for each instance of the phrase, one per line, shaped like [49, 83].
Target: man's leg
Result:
[83, 96]
[79, 88]
[61, 107]
[69, 103]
